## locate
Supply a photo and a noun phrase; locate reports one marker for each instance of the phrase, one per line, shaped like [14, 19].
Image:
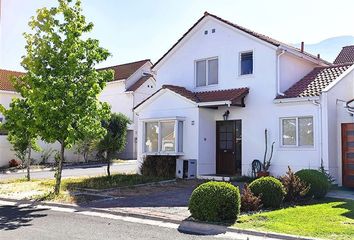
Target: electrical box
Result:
[186, 168]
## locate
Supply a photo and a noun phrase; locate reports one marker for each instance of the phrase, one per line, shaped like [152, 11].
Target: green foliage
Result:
[86, 146]
[295, 189]
[159, 166]
[115, 139]
[317, 181]
[270, 190]
[215, 202]
[249, 201]
[61, 84]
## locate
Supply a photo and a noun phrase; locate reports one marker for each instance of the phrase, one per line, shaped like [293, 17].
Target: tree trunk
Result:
[59, 170]
[108, 164]
[29, 163]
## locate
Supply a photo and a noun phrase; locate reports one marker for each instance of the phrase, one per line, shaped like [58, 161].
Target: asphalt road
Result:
[26, 222]
[77, 171]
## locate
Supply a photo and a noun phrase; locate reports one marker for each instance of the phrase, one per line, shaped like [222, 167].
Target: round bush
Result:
[215, 202]
[270, 190]
[317, 181]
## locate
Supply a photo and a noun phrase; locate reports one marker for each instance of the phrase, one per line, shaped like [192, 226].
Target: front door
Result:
[348, 154]
[228, 147]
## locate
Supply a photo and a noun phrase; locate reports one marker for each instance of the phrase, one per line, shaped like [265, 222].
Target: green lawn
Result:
[328, 219]
[41, 189]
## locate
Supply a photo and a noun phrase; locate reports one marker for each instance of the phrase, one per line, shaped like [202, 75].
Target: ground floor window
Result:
[297, 131]
[164, 136]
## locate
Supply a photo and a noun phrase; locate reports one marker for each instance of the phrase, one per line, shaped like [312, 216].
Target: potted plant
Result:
[266, 163]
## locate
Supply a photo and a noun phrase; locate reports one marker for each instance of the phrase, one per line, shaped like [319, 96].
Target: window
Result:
[297, 131]
[164, 136]
[246, 65]
[207, 72]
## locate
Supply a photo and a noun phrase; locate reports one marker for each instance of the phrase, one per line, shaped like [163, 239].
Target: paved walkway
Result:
[344, 194]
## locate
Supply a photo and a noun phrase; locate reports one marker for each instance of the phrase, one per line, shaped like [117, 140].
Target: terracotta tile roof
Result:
[124, 71]
[248, 31]
[5, 82]
[234, 95]
[313, 83]
[210, 96]
[346, 55]
[138, 83]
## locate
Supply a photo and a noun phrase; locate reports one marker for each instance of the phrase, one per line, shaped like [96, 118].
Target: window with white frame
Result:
[163, 136]
[207, 72]
[246, 63]
[297, 131]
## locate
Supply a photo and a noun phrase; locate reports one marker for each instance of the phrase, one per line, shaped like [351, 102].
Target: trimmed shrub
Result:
[159, 166]
[317, 181]
[215, 202]
[295, 188]
[270, 190]
[249, 202]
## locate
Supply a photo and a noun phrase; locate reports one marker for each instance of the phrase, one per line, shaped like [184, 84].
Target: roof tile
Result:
[5, 79]
[346, 55]
[124, 71]
[138, 83]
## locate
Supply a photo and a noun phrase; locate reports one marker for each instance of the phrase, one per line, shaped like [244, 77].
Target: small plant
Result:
[14, 163]
[270, 190]
[46, 154]
[317, 181]
[250, 202]
[294, 187]
[159, 166]
[266, 163]
[215, 202]
[331, 180]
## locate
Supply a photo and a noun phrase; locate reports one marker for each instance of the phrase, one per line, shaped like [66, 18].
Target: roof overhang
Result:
[296, 100]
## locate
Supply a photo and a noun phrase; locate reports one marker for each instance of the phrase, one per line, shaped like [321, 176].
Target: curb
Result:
[185, 226]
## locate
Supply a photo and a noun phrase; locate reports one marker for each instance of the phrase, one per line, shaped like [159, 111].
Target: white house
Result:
[132, 83]
[219, 70]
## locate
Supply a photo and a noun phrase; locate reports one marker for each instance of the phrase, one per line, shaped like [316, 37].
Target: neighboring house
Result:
[132, 83]
[221, 85]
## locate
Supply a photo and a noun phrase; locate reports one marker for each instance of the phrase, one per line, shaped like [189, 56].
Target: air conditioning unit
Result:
[186, 168]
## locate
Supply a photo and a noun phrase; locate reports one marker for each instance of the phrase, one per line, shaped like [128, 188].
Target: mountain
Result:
[328, 48]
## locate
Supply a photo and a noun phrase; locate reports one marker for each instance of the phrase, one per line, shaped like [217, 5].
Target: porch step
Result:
[215, 178]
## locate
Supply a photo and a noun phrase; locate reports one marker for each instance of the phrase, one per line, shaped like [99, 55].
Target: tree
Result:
[86, 146]
[62, 84]
[115, 139]
[22, 133]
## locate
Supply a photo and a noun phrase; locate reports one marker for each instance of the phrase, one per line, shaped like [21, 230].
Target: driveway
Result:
[78, 171]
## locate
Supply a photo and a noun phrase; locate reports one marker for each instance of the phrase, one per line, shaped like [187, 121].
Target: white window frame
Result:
[297, 137]
[207, 72]
[159, 148]
[239, 63]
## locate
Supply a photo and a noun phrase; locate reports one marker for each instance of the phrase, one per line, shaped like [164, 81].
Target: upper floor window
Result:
[207, 72]
[246, 63]
[297, 131]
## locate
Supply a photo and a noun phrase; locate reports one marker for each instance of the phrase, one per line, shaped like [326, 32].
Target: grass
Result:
[329, 219]
[42, 189]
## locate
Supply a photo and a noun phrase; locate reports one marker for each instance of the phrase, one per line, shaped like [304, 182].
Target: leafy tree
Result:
[62, 84]
[115, 139]
[22, 133]
[86, 146]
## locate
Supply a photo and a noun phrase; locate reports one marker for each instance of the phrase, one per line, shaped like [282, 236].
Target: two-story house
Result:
[221, 85]
[133, 82]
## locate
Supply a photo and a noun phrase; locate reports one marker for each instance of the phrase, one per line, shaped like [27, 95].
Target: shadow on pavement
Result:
[14, 217]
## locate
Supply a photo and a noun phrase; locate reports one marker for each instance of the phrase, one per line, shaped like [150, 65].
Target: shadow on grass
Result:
[348, 205]
[14, 217]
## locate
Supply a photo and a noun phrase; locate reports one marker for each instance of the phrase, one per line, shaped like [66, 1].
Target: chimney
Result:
[302, 46]
[318, 56]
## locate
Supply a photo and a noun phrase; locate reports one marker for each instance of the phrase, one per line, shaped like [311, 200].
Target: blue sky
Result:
[140, 29]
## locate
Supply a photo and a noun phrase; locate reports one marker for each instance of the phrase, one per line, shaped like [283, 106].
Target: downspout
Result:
[318, 103]
[282, 51]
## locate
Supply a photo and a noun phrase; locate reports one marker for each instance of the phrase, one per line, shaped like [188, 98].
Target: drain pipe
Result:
[319, 105]
[282, 51]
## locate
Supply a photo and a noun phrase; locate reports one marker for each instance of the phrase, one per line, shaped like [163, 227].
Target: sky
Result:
[145, 29]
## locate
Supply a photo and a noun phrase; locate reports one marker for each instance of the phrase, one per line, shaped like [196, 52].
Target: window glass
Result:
[213, 71]
[151, 136]
[201, 73]
[180, 136]
[246, 63]
[289, 131]
[305, 131]
[167, 136]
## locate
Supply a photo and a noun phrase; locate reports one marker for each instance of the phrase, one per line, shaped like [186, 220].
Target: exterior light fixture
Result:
[226, 115]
